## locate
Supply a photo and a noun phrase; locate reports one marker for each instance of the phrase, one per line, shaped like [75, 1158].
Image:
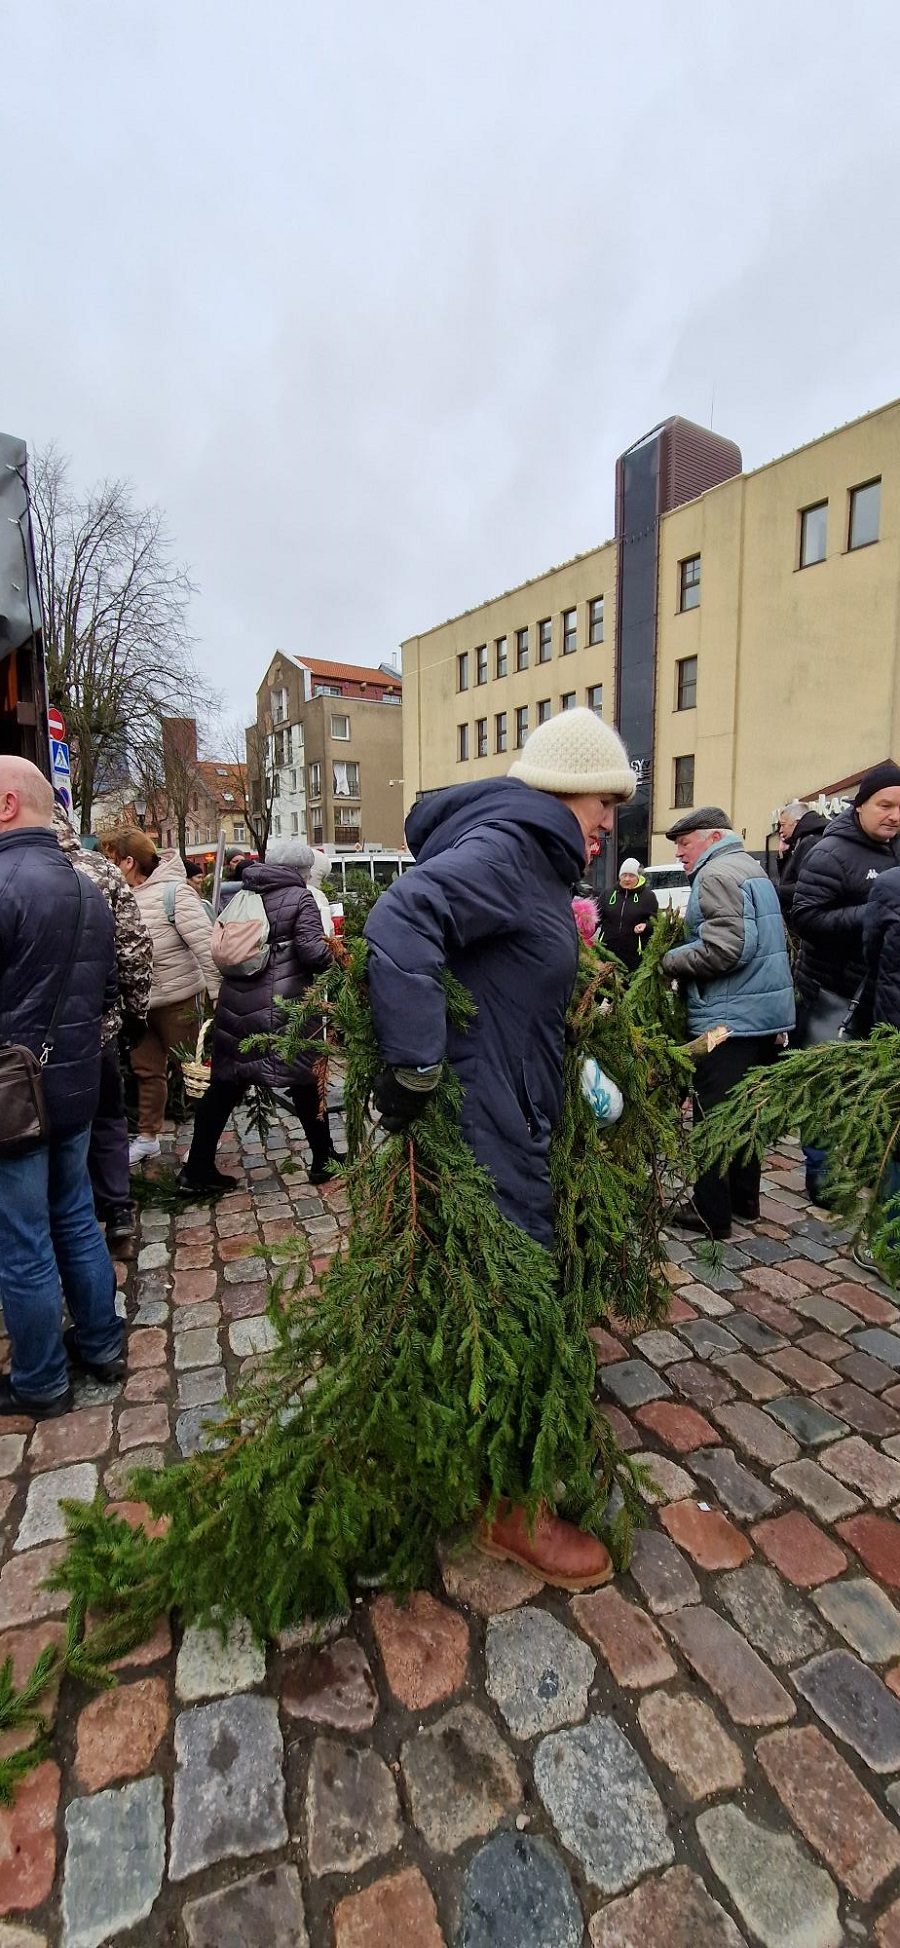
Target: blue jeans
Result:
[49, 1236]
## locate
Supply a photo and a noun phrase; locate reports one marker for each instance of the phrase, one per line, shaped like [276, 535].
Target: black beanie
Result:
[882, 777]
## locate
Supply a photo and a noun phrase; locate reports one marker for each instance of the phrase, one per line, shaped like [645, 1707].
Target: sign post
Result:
[60, 769]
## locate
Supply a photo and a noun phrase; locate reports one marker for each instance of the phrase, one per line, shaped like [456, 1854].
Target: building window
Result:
[462, 748]
[340, 729]
[686, 683]
[544, 711]
[570, 631]
[545, 640]
[684, 781]
[276, 826]
[500, 656]
[689, 583]
[169, 839]
[318, 830]
[595, 620]
[521, 725]
[462, 670]
[345, 779]
[521, 649]
[346, 826]
[238, 831]
[327, 690]
[593, 697]
[315, 779]
[295, 825]
[865, 510]
[567, 700]
[279, 706]
[481, 667]
[481, 743]
[500, 731]
[813, 533]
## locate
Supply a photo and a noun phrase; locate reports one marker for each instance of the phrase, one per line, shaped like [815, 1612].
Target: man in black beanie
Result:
[828, 911]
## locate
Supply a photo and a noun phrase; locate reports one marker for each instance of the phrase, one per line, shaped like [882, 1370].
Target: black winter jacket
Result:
[807, 833]
[620, 913]
[881, 942]
[38, 917]
[490, 899]
[830, 902]
[297, 952]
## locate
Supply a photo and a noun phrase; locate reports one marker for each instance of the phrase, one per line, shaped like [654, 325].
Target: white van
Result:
[670, 884]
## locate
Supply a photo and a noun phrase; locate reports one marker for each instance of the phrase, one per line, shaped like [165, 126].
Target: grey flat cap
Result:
[704, 818]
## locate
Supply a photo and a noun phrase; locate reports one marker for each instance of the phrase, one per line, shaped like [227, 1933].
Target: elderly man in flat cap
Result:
[735, 968]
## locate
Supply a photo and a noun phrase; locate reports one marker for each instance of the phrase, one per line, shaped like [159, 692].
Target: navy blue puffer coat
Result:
[297, 953]
[38, 917]
[491, 899]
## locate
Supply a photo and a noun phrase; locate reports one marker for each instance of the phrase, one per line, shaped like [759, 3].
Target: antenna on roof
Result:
[712, 407]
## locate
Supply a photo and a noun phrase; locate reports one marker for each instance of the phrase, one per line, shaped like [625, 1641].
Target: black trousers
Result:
[108, 1152]
[214, 1109]
[735, 1193]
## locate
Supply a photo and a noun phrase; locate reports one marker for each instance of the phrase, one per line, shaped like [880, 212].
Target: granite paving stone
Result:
[701, 1384]
[862, 1614]
[186, 1318]
[261, 1908]
[883, 1346]
[12, 1448]
[855, 1705]
[397, 1908]
[808, 1421]
[460, 1777]
[711, 1541]
[119, 1732]
[863, 1411]
[823, 1345]
[681, 1428]
[701, 1298]
[352, 1811]
[201, 1386]
[770, 1614]
[751, 1377]
[808, 1483]
[606, 1348]
[742, 1492]
[229, 1787]
[195, 1428]
[864, 1371]
[755, 1432]
[332, 1685]
[803, 1553]
[28, 1840]
[661, 1572]
[783, 1898]
[603, 1804]
[753, 1333]
[887, 1928]
[717, 1277]
[660, 1348]
[876, 1539]
[632, 1382]
[735, 1674]
[673, 1909]
[860, 1466]
[424, 1647]
[517, 1893]
[686, 1736]
[671, 1482]
[81, 1436]
[626, 1637]
[255, 1334]
[210, 1666]
[487, 1584]
[833, 1318]
[197, 1347]
[870, 1305]
[707, 1338]
[832, 1810]
[115, 1859]
[538, 1672]
[43, 1520]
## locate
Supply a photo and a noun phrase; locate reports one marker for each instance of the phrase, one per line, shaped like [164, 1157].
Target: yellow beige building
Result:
[741, 629]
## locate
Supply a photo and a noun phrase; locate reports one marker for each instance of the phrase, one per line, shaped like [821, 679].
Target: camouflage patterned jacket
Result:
[134, 947]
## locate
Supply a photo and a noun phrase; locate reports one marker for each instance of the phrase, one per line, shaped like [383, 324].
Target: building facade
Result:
[741, 629]
[332, 738]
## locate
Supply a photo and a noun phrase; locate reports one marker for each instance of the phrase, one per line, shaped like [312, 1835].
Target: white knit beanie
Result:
[575, 752]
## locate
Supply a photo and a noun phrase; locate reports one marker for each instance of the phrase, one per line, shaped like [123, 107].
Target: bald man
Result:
[57, 938]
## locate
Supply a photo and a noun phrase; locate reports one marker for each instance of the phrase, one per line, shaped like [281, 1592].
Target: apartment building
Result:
[741, 629]
[332, 734]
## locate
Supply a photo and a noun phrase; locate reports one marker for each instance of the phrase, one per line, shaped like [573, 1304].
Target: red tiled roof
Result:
[348, 672]
[208, 771]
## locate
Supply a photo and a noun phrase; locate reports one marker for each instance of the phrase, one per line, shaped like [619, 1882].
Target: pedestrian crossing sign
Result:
[59, 758]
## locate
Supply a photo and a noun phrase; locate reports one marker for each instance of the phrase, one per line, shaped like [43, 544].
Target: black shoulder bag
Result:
[24, 1122]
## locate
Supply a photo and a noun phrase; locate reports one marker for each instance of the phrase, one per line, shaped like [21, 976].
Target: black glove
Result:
[133, 1029]
[398, 1105]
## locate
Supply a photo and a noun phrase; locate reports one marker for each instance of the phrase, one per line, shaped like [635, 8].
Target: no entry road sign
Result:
[56, 724]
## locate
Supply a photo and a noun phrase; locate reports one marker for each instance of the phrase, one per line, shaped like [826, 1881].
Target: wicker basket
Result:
[195, 1069]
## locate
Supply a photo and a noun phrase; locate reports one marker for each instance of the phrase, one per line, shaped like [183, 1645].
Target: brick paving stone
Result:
[461, 1780]
[809, 1273]
[238, 1246]
[198, 1347]
[822, 1345]
[43, 1520]
[789, 1324]
[662, 1575]
[209, 1667]
[712, 1304]
[887, 1930]
[12, 1448]
[193, 1288]
[876, 1539]
[193, 1258]
[146, 1348]
[679, 1310]
[228, 1797]
[398, 1908]
[776, 1284]
[245, 1301]
[424, 1648]
[139, 1424]
[119, 1732]
[14, 1936]
[707, 1338]
[704, 1387]
[671, 1482]
[709, 1538]
[659, 1347]
[754, 1334]
[266, 1907]
[28, 1840]
[22, 1596]
[606, 1349]
[594, 1765]
[806, 1482]
[114, 1862]
[804, 1373]
[808, 1421]
[864, 1371]
[333, 1686]
[798, 1549]
[626, 1435]
[832, 1810]
[538, 1672]
[715, 1278]
[118, 1478]
[632, 1382]
[737, 1676]
[486, 1584]
[751, 1377]
[783, 1899]
[675, 1909]
[151, 1651]
[517, 1893]
[862, 1411]
[753, 1430]
[682, 1428]
[151, 1384]
[743, 1494]
[23, 1647]
[74, 1437]
[855, 1705]
[626, 1637]
[352, 1812]
[201, 1386]
[186, 1317]
[153, 1256]
[243, 1271]
[766, 1251]
[870, 1306]
[863, 1615]
[770, 1615]
[686, 1736]
[860, 1466]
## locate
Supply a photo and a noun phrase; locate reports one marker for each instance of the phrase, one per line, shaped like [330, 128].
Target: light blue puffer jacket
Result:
[734, 959]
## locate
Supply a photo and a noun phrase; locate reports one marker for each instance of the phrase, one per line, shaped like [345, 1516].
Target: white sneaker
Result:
[142, 1147]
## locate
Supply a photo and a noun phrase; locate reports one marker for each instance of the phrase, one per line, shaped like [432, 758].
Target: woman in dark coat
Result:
[247, 1005]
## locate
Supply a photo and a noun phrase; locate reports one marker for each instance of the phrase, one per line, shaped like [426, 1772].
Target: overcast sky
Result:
[369, 297]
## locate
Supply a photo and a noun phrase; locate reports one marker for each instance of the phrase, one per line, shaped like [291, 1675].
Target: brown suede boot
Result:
[555, 1550]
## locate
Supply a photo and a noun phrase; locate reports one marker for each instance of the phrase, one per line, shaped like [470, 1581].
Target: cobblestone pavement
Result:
[705, 1754]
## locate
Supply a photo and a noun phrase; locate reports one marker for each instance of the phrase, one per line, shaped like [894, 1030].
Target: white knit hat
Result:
[575, 752]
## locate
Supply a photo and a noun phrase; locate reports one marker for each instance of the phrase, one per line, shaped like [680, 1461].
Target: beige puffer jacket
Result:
[182, 963]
